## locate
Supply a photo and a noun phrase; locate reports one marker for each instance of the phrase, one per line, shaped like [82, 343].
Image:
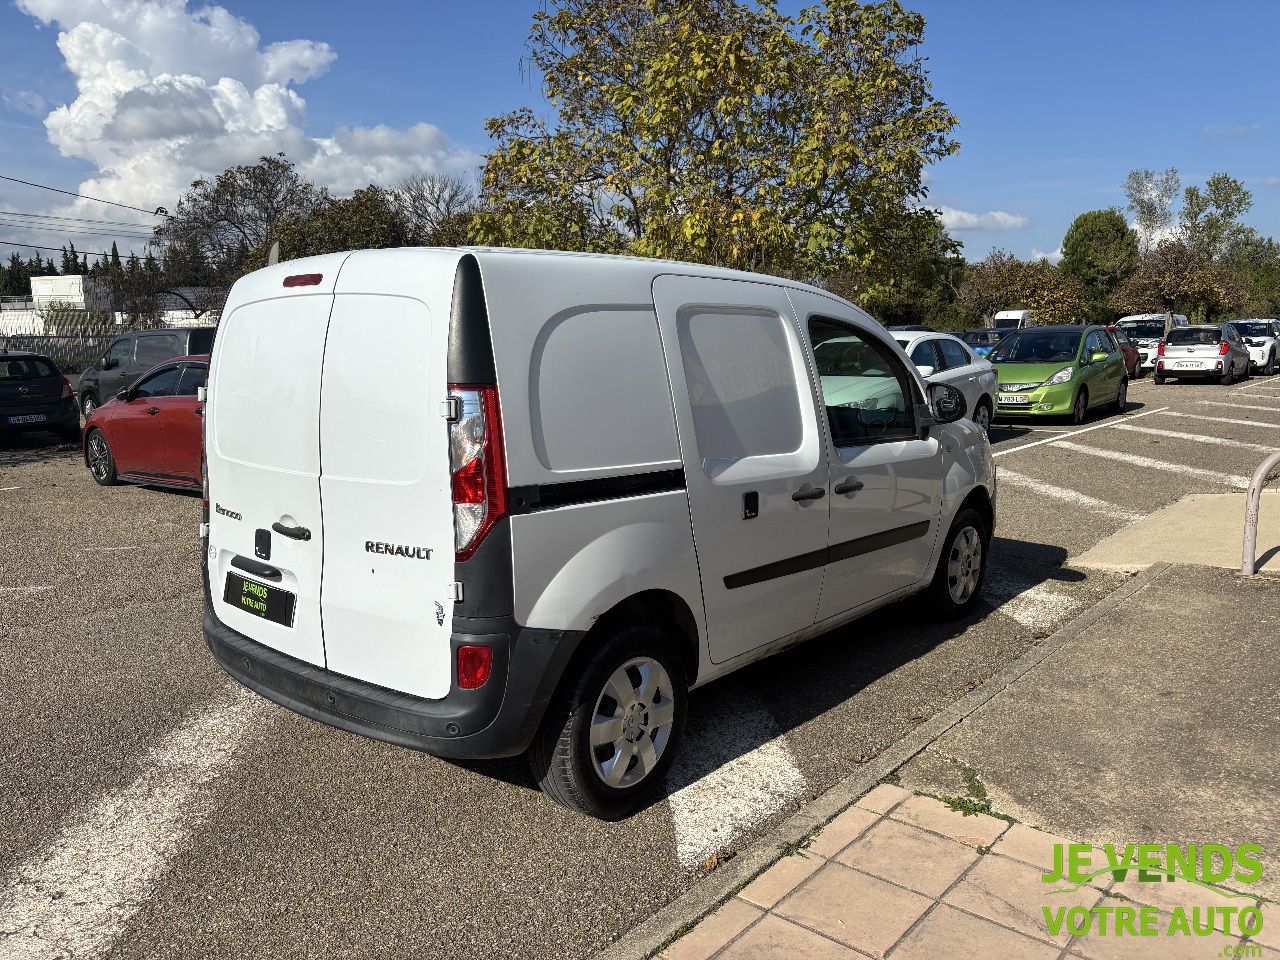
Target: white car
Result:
[942, 358]
[1262, 337]
[488, 502]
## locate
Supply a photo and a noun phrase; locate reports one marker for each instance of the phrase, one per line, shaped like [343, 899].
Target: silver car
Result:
[1203, 351]
[1263, 340]
[942, 358]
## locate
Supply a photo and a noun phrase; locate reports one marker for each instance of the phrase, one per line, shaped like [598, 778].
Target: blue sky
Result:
[1057, 102]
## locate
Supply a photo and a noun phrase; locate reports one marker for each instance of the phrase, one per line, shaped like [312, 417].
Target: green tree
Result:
[1174, 278]
[718, 131]
[1150, 196]
[367, 220]
[1101, 250]
[1003, 282]
[1210, 218]
[436, 209]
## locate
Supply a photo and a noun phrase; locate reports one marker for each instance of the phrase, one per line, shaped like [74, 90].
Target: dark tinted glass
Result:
[1037, 347]
[923, 355]
[201, 341]
[1143, 329]
[158, 384]
[118, 352]
[867, 391]
[953, 354]
[155, 347]
[1253, 329]
[193, 375]
[1193, 335]
[26, 368]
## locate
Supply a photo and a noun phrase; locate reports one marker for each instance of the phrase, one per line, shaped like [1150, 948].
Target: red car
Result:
[1132, 358]
[150, 433]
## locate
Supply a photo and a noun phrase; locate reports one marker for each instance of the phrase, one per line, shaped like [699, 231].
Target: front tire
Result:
[1270, 368]
[1080, 410]
[102, 463]
[88, 404]
[1122, 398]
[962, 567]
[609, 740]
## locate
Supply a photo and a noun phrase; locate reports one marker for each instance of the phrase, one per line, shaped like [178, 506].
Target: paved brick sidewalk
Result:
[904, 877]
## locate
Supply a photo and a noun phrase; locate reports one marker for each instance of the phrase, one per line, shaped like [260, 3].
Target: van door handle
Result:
[293, 533]
[263, 570]
[850, 485]
[812, 493]
[153, 410]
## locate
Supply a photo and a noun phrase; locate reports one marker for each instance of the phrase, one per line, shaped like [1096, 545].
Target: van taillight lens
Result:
[1160, 349]
[478, 465]
[475, 664]
[1223, 348]
[66, 389]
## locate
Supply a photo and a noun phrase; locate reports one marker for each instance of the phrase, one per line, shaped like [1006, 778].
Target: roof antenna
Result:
[273, 255]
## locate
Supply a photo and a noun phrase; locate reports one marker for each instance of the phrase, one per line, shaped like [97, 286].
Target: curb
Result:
[651, 935]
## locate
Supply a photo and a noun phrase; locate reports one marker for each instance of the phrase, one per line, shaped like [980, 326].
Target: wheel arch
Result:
[979, 500]
[664, 610]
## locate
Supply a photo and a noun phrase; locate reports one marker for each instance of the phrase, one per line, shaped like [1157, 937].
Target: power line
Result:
[36, 246]
[50, 216]
[70, 229]
[158, 212]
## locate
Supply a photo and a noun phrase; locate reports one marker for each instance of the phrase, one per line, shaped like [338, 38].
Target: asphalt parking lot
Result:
[223, 826]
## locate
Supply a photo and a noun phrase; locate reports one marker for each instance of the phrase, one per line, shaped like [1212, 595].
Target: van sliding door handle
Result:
[812, 493]
[293, 533]
[849, 486]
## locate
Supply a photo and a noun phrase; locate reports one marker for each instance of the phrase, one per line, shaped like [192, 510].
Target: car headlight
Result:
[1062, 376]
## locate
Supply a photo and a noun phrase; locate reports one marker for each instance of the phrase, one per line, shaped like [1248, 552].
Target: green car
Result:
[1059, 372]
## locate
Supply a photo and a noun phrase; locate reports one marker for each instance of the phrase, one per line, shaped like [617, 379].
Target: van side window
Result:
[155, 347]
[742, 382]
[867, 392]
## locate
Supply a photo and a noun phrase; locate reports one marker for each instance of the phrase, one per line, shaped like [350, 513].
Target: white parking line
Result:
[1237, 406]
[1241, 423]
[1100, 426]
[1269, 383]
[1005, 475]
[1197, 437]
[24, 589]
[7, 489]
[1037, 607]
[1226, 479]
[738, 771]
[73, 898]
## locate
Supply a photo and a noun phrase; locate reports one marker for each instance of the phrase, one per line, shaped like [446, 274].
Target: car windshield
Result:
[1143, 329]
[26, 368]
[1057, 346]
[1253, 329]
[848, 358]
[1194, 335]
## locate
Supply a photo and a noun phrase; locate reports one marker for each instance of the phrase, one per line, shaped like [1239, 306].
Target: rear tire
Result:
[1157, 379]
[102, 463]
[1122, 398]
[962, 567]
[1270, 369]
[982, 416]
[1080, 411]
[1228, 377]
[609, 740]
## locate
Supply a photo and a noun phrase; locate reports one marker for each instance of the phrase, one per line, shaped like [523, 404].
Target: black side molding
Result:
[263, 570]
[548, 496]
[831, 554]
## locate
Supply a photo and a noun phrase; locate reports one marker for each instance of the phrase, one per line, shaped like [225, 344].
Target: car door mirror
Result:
[925, 370]
[109, 364]
[1099, 357]
[123, 395]
[946, 403]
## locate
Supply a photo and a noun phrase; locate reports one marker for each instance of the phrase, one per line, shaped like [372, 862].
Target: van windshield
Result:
[1143, 329]
[1037, 347]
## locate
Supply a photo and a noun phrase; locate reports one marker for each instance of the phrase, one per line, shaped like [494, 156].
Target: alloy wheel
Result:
[964, 565]
[631, 723]
[88, 405]
[99, 456]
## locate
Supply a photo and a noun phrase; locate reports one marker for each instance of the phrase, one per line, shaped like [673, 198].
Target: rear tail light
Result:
[1223, 348]
[475, 664]
[478, 464]
[1160, 349]
[66, 390]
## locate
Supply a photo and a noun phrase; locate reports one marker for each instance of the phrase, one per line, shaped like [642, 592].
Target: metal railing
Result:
[1252, 503]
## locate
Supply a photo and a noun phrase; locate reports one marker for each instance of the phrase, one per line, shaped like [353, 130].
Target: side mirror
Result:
[926, 371]
[1099, 357]
[946, 403]
[123, 395]
[108, 364]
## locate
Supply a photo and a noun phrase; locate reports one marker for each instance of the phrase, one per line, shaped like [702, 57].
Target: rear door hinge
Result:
[455, 592]
[451, 409]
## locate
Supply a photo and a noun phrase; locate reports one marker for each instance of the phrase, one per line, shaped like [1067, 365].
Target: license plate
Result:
[260, 600]
[29, 418]
[1187, 363]
[1014, 398]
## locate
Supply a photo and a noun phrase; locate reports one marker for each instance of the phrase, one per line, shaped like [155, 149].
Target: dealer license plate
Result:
[1014, 398]
[260, 600]
[29, 418]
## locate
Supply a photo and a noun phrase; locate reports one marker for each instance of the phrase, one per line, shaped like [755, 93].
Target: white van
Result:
[1012, 319]
[1146, 330]
[481, 502]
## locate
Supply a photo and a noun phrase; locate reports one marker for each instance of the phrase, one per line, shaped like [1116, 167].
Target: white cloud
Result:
[954, 219]
[25, 101]
[1055, 257]
[168, 94]
[1272, 181]
[1230, 131]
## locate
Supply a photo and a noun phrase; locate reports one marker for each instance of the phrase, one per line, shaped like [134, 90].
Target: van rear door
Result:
[263, 457]
[385, 482]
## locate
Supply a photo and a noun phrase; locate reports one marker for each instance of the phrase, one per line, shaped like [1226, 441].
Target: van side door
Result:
[754, 458]
[886, 482]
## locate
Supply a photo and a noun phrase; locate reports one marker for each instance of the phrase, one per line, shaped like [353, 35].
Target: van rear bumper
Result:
[497, 720]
